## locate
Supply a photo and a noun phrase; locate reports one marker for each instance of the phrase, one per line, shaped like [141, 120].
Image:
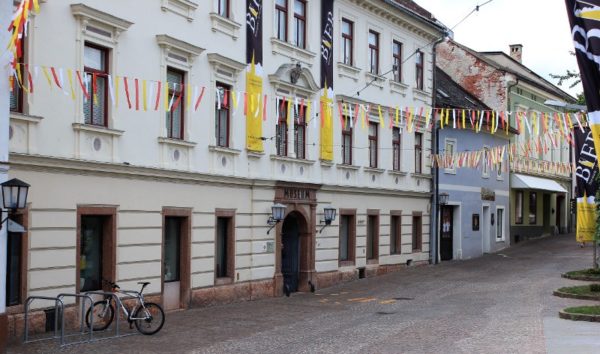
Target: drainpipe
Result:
[509, 90]
[433, 223]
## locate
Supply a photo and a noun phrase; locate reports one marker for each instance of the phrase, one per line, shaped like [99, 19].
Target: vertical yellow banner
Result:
[254, 112]
[326, 127]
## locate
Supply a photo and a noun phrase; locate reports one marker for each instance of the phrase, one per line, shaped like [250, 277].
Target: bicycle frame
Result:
[133, 294]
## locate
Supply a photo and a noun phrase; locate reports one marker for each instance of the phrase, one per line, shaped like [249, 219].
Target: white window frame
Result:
[454, 143]
[485, 169]
[499, 172]
[503, 238]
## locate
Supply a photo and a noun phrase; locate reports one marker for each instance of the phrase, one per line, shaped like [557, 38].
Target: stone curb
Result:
[583, 277]
[575, 296]
[578, 317]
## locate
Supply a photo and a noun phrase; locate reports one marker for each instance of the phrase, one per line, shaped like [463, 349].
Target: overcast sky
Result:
[541, 26]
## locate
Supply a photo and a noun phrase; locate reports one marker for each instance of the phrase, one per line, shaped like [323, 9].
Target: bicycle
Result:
[148, 317]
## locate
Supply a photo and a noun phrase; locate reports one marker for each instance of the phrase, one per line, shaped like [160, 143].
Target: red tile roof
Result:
[409, 4]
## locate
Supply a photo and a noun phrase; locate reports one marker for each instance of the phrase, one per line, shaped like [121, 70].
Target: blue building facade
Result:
[476, 218]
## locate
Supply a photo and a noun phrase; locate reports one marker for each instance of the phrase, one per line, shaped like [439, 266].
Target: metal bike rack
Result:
[117, 312]
[58, 305]
[81, 326]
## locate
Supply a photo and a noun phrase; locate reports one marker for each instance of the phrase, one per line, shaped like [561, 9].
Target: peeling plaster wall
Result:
[473, 74]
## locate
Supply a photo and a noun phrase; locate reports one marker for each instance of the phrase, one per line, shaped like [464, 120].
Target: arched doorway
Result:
[290, 253]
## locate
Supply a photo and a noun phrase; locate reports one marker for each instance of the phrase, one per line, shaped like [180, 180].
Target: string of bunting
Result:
[18, 28]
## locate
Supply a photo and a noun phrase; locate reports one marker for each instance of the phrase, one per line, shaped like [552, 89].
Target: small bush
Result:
[595, 288]
[592, 271]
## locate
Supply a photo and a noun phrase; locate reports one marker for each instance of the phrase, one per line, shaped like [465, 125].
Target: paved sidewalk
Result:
[498, 303]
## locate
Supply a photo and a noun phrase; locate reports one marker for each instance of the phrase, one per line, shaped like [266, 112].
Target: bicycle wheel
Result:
[103, 315]
[152, 318]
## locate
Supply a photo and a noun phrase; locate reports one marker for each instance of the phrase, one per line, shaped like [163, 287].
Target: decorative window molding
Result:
[374, 80]
[22, 132]
[175, 153]
[347, 167]
[398, 87]
[177, 52]
[99, 25]
[421, 95]
[177, 142]
[97, 129]
[295, 53]
[96, 143]
[397, 173]
[184, 8]
[451, 142]
[374, 170]
[225, 25]
[224, 150]
[305, 85]
[293, 160]
[348, 71]
[225, 70]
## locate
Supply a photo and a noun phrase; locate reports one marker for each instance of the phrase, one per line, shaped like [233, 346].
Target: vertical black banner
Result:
[254, 31]
[327, 44]
[586, 163]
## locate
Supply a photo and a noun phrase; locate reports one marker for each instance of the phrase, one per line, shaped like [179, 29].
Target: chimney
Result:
[516, 52]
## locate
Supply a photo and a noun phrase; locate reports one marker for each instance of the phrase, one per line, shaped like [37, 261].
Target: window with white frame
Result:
[500, 224]
[300, 23]
[499, 172]
[485, 168]
[449, 150]
[281, 12]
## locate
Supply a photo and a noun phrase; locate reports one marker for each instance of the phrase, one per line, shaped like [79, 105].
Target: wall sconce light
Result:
[14, 196]
[443, 198]
[329, 214]
[277, 214]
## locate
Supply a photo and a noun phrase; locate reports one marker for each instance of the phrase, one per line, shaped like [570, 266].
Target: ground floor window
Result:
[96, 247]
[225, 245]
[500, 224]
[373, 237]
[172, 249]
[13, 268]
[347, 236]
[417, 231]
[532, 208]
[395, 232]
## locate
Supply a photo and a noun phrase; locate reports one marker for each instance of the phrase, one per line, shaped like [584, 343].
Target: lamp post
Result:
[277, 214]
[329, 215]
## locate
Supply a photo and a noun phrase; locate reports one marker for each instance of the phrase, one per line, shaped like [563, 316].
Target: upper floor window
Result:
[449, 150]
[347, 143]
[420, 61]
[281, 11]
[281, 130]
[222, 116]
[374, 52]
[223, 8]
[397, 60]
[300, 132]
[174, 121]
[95, 62]
[396, 152]
[347, 39]
[373, 144]
[300, 23]
[485, 169]
[418, 152]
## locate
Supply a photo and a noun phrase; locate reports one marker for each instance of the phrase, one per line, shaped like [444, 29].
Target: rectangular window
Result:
[449, 150]
[372, 237]
[418, 152]
[373, 52]
[300, 131]
[417, 232]
[347, 38]
[13, 268]
[174, 121]
[223, 8]
[499, 175]
[96, 250]
[222, 115]
[396, 150]
[16, 90]
[347, 143]
[225, 246]
[373, 144]
[347, 237]
[397, 60]
[485, 168]
[95, 62]
[281, 130]
[532, 207]
[420, 60]
[500, 225]
[519, 208]
[396, 233]
[172, 249]
[300, 23]
[281, 10]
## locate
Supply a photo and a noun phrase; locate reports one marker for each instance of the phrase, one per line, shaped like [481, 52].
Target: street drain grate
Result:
[403, 298]
[385, 313]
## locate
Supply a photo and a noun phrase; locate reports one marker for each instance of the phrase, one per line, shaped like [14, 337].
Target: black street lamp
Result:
[14, 196]
[329, 214]
[277, 214]
[443, 198]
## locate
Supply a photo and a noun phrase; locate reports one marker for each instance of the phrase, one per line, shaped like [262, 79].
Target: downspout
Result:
[508, 92]
[433, 223]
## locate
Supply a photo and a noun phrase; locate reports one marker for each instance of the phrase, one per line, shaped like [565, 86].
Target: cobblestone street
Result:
[499, 303]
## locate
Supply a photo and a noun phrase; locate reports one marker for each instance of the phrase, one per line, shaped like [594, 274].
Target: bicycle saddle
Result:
[143, 282]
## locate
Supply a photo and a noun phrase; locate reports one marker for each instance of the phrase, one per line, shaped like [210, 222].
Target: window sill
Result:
[416, 250]
[421, 95]
[290, 159]
[346, 264]
[97, 129]
[183, 143]
[183, 8]
[224, 150]
[420, 175]
[25, 117]
[225, 25]
[223, 281]
[292, 52]
[397, 173]
[374, 80]
[347, 167]
[374, 170]
[398, 87]
[345, 70]
[372, 261]
[326, 163]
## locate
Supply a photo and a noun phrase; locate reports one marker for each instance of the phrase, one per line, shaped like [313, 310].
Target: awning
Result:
[518, 181]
